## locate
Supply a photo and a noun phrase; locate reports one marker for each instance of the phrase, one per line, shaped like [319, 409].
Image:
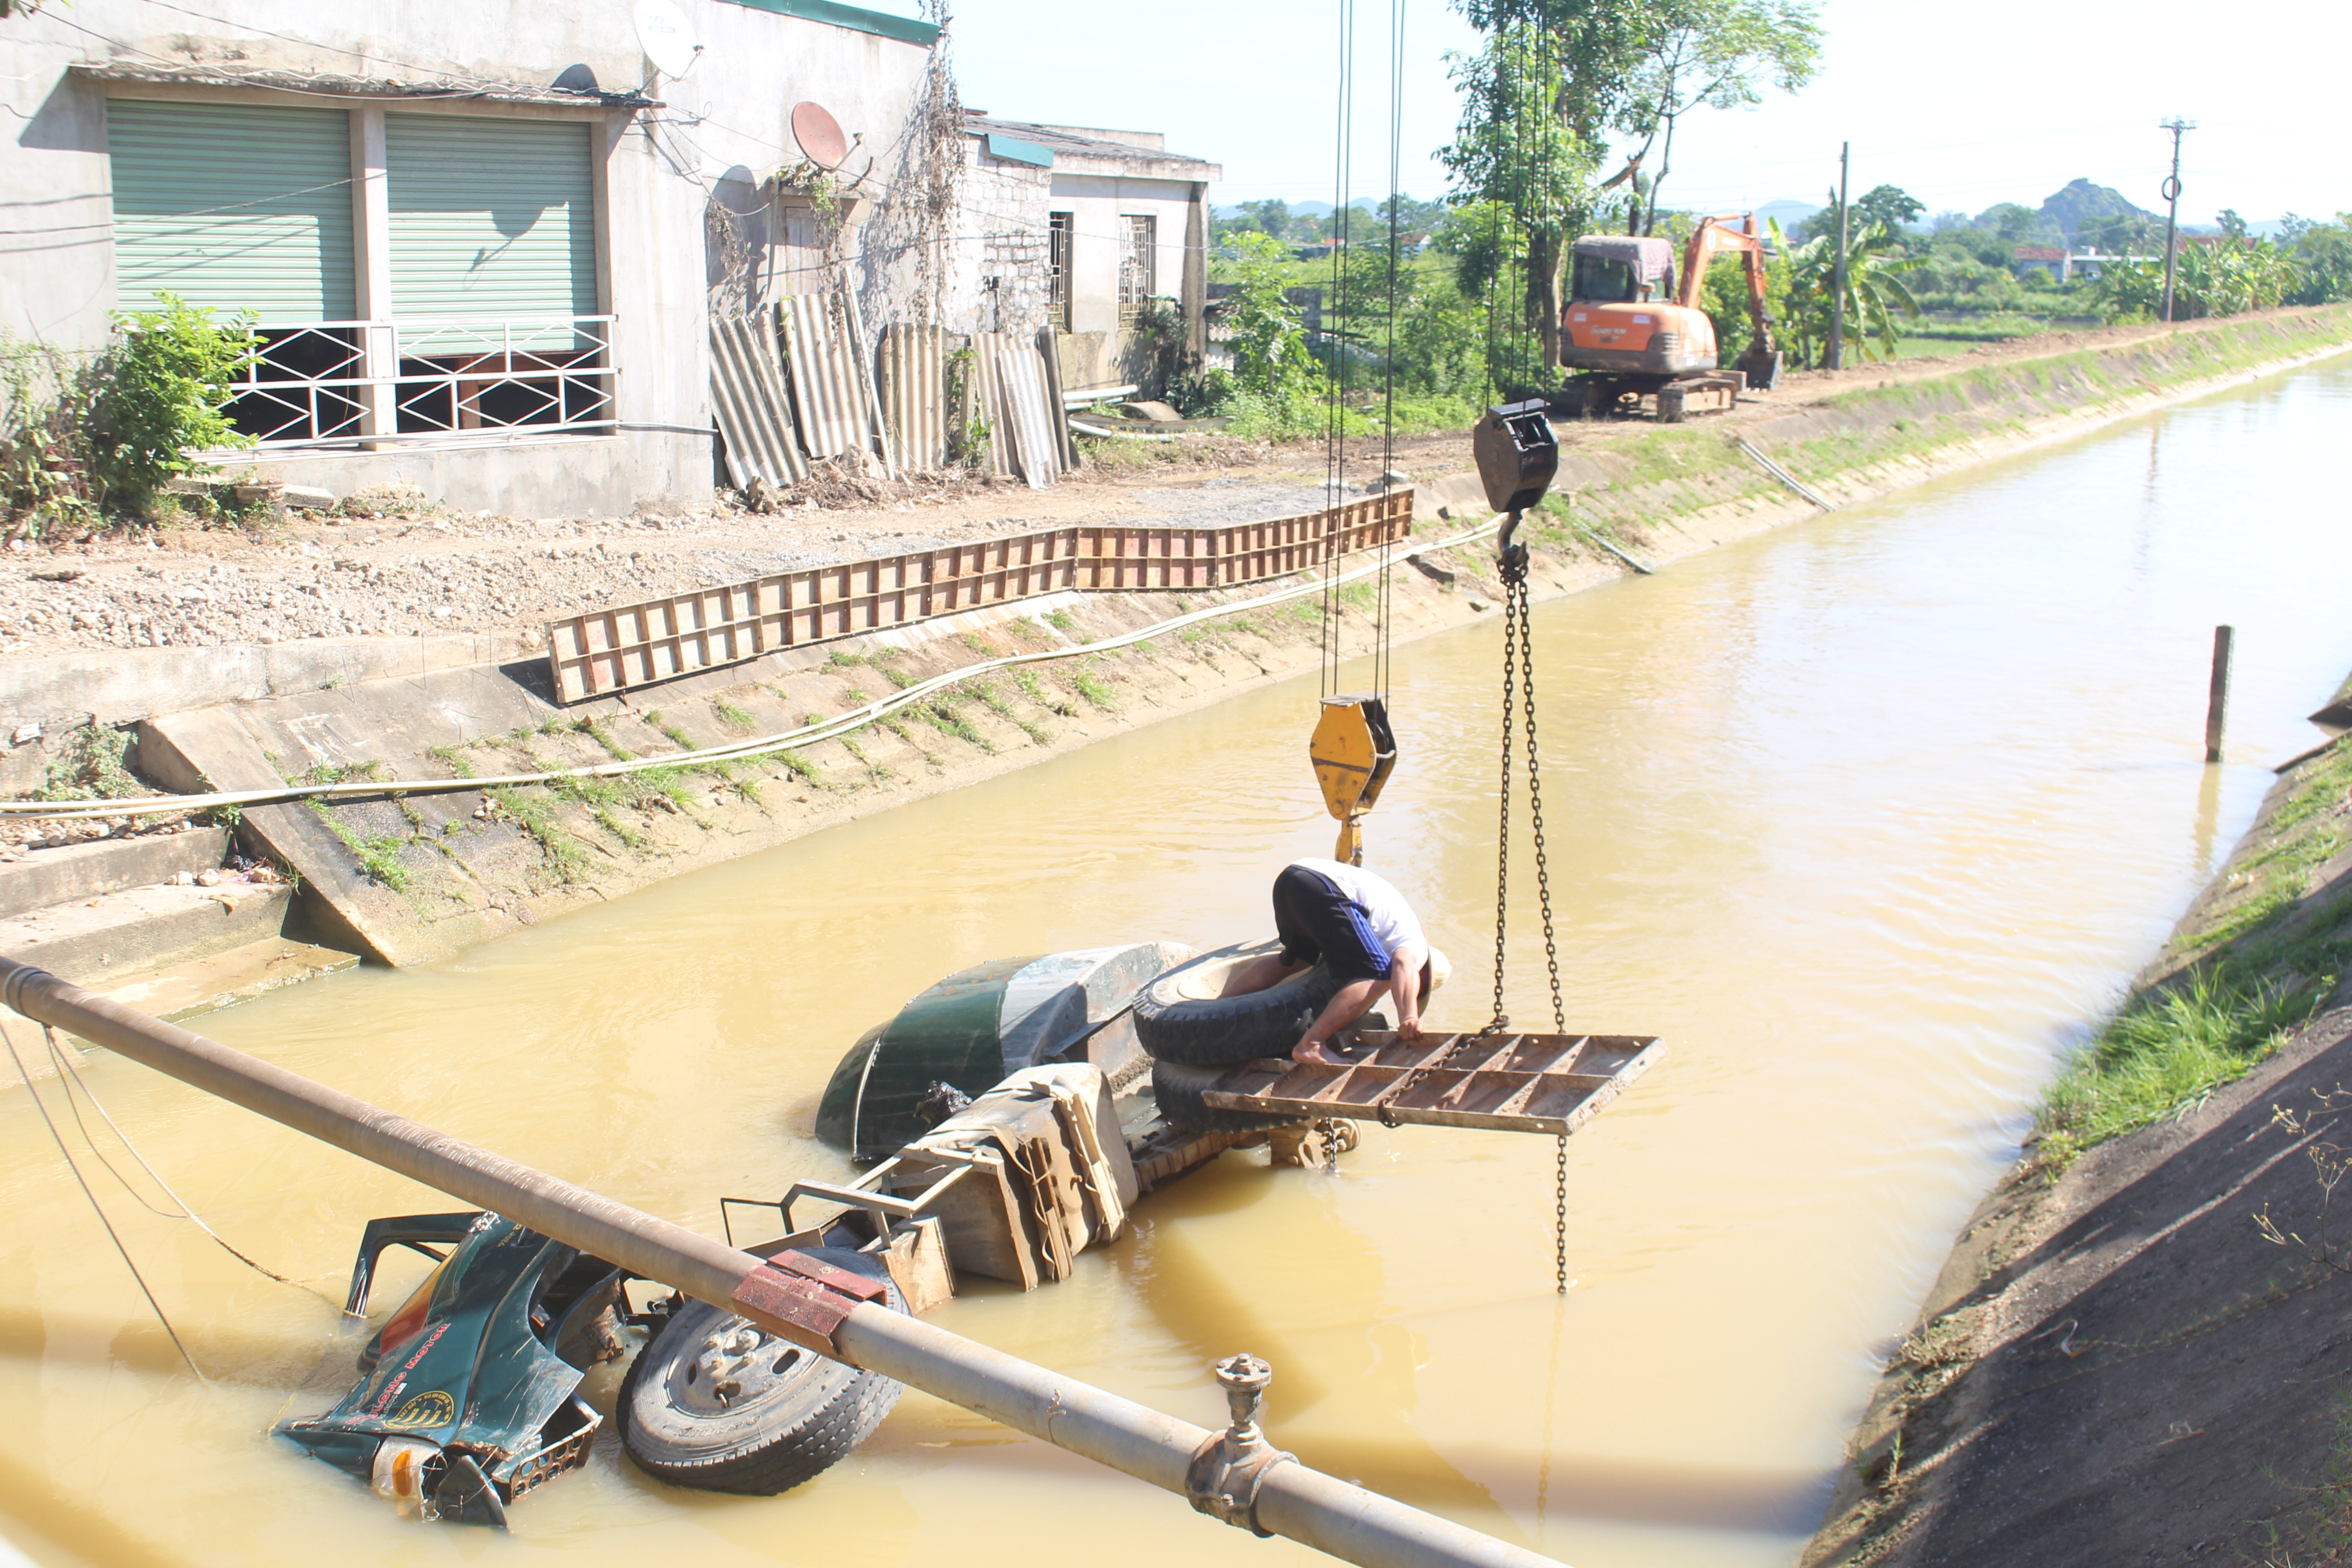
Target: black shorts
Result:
[1316, 920]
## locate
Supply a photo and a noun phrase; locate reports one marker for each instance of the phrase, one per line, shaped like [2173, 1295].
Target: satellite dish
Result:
[663, 34]
[819, 135]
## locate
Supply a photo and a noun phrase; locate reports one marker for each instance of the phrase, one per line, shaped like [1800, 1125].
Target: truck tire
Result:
[1178, 1088]
[1180, 1017]
[792, 1415]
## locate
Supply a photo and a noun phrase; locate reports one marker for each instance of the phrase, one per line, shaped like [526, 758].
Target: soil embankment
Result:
[407, 879]
[2137, 1353]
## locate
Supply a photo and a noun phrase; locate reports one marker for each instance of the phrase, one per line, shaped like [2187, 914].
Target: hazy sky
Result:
[1964, 107]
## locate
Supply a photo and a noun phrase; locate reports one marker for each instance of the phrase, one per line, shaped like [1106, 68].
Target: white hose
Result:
[809, 735]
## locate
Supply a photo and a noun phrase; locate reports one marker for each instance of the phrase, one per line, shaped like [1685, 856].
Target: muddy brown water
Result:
[1867, 818]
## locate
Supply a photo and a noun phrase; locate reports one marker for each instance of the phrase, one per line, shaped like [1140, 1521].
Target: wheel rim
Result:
[735, 1368]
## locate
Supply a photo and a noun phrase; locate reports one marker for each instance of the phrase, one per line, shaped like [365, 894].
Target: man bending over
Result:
[1360, 925]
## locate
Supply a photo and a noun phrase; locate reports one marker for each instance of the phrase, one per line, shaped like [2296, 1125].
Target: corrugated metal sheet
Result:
[747, 393]
[491, 219]
[984, 395]
[1049, 351]
[914, 396]
[1034, 442]
[233, 207]
[827, 390]
[635, 644]
[861, 349]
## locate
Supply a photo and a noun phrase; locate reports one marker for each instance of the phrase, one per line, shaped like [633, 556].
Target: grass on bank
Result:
[2258, 965]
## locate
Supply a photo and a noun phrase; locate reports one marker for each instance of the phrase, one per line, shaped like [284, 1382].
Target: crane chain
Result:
[1519, 702]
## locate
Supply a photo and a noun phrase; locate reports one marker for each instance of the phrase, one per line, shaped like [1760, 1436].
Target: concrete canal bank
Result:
[2136, 1351]
[410, 879]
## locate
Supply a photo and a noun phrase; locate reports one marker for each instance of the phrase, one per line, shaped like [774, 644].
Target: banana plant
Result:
[1875, 297]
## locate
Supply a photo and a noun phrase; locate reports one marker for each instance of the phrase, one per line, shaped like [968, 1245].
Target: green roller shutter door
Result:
[233, 207]
[492, 219]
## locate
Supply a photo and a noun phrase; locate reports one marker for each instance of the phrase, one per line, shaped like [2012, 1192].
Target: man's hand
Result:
[1409, 1028]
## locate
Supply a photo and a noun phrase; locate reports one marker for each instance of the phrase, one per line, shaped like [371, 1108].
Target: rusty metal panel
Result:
[914, 392]
[748, 396]
[1502, 1082]
[829, 393]
[626, 646]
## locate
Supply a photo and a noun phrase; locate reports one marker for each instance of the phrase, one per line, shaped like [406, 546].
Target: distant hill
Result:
[2081, 199]
[1790, 213]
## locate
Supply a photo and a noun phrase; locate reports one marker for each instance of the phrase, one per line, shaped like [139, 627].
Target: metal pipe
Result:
[1315, 1510]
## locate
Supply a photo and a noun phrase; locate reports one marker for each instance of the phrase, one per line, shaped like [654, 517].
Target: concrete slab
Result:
[74, 872]
[188, 990]
[96, 940]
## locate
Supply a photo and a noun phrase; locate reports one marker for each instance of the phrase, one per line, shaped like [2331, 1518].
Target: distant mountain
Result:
[1790, 213]
[2081, 199]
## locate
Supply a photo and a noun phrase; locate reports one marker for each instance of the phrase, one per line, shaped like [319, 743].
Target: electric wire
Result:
[71, 1077]
[740, 751]
[96, 1207]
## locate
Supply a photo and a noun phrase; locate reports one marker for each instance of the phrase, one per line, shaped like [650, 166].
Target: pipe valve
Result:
[1229, 1466]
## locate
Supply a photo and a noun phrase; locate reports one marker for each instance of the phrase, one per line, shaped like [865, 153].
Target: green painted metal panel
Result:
[492, 218]
[234, 206]
[856, 18]
[1014, 149]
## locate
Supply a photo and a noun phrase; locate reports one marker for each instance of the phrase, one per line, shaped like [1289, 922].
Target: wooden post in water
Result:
[2217, 701]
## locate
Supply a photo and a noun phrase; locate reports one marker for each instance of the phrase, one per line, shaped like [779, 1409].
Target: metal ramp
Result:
[1503, 1081]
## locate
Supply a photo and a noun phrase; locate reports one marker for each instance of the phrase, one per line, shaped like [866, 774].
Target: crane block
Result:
[1353, 752]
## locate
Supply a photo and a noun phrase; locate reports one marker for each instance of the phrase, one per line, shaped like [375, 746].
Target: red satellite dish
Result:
[819, 135]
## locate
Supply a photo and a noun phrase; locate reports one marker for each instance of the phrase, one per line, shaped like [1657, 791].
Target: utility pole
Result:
[2173, 205]
[1834, 358]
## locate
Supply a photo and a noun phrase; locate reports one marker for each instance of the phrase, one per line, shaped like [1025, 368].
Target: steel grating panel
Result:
[629, 645]
[748, 397]
[1502, 1082]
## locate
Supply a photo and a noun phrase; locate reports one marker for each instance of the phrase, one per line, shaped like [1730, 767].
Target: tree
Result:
[1874, 292]
[2019, 225]
[1520, 160]
[2232, 224]
[2322, 258]
[1896, 207]
[2119, 235]
[1271, 216]
[1711, 54]
[2219, 279]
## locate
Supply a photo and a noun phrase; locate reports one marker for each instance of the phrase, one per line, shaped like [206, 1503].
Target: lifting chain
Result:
[1519, 696]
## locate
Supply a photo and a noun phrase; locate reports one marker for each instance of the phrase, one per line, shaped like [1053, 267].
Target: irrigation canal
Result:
[1869, 817]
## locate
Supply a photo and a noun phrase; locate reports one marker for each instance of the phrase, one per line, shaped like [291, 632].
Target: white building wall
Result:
[726, 119]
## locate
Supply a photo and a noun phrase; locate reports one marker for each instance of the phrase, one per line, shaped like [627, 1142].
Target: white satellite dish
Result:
[663, 34]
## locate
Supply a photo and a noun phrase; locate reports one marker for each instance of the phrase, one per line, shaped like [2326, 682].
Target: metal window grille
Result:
[1060, 230]
[1138, 250]
[312, 384]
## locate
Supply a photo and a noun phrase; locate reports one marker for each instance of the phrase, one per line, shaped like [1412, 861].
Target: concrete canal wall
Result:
[406, 880]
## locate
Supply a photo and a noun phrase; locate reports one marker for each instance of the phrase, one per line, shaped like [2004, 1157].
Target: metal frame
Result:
[1503, 1082]
[625, 645]
[374, 378]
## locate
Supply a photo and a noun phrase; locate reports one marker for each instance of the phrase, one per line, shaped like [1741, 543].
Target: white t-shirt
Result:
[1392, 920]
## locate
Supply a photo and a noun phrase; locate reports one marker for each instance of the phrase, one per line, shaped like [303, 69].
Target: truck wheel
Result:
[716, 1405]
[1669, 406]
[1178, 1088]
[1180, 1017]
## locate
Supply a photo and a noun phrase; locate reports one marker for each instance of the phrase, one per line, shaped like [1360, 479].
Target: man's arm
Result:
[1404, 984]
[1348, 1004]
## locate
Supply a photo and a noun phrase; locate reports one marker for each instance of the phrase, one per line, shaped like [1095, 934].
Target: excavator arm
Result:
[1761, 362]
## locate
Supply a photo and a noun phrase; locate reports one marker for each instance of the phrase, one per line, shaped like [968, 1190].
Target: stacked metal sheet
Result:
[829, 389]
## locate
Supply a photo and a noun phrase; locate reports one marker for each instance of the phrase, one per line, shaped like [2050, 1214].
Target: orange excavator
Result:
[1631, 334]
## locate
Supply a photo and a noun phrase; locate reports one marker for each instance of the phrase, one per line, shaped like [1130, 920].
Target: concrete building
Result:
[1079, 228]
[482, 238]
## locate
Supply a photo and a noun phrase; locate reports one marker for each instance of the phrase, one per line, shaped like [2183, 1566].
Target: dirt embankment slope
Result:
[2141, 1356]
